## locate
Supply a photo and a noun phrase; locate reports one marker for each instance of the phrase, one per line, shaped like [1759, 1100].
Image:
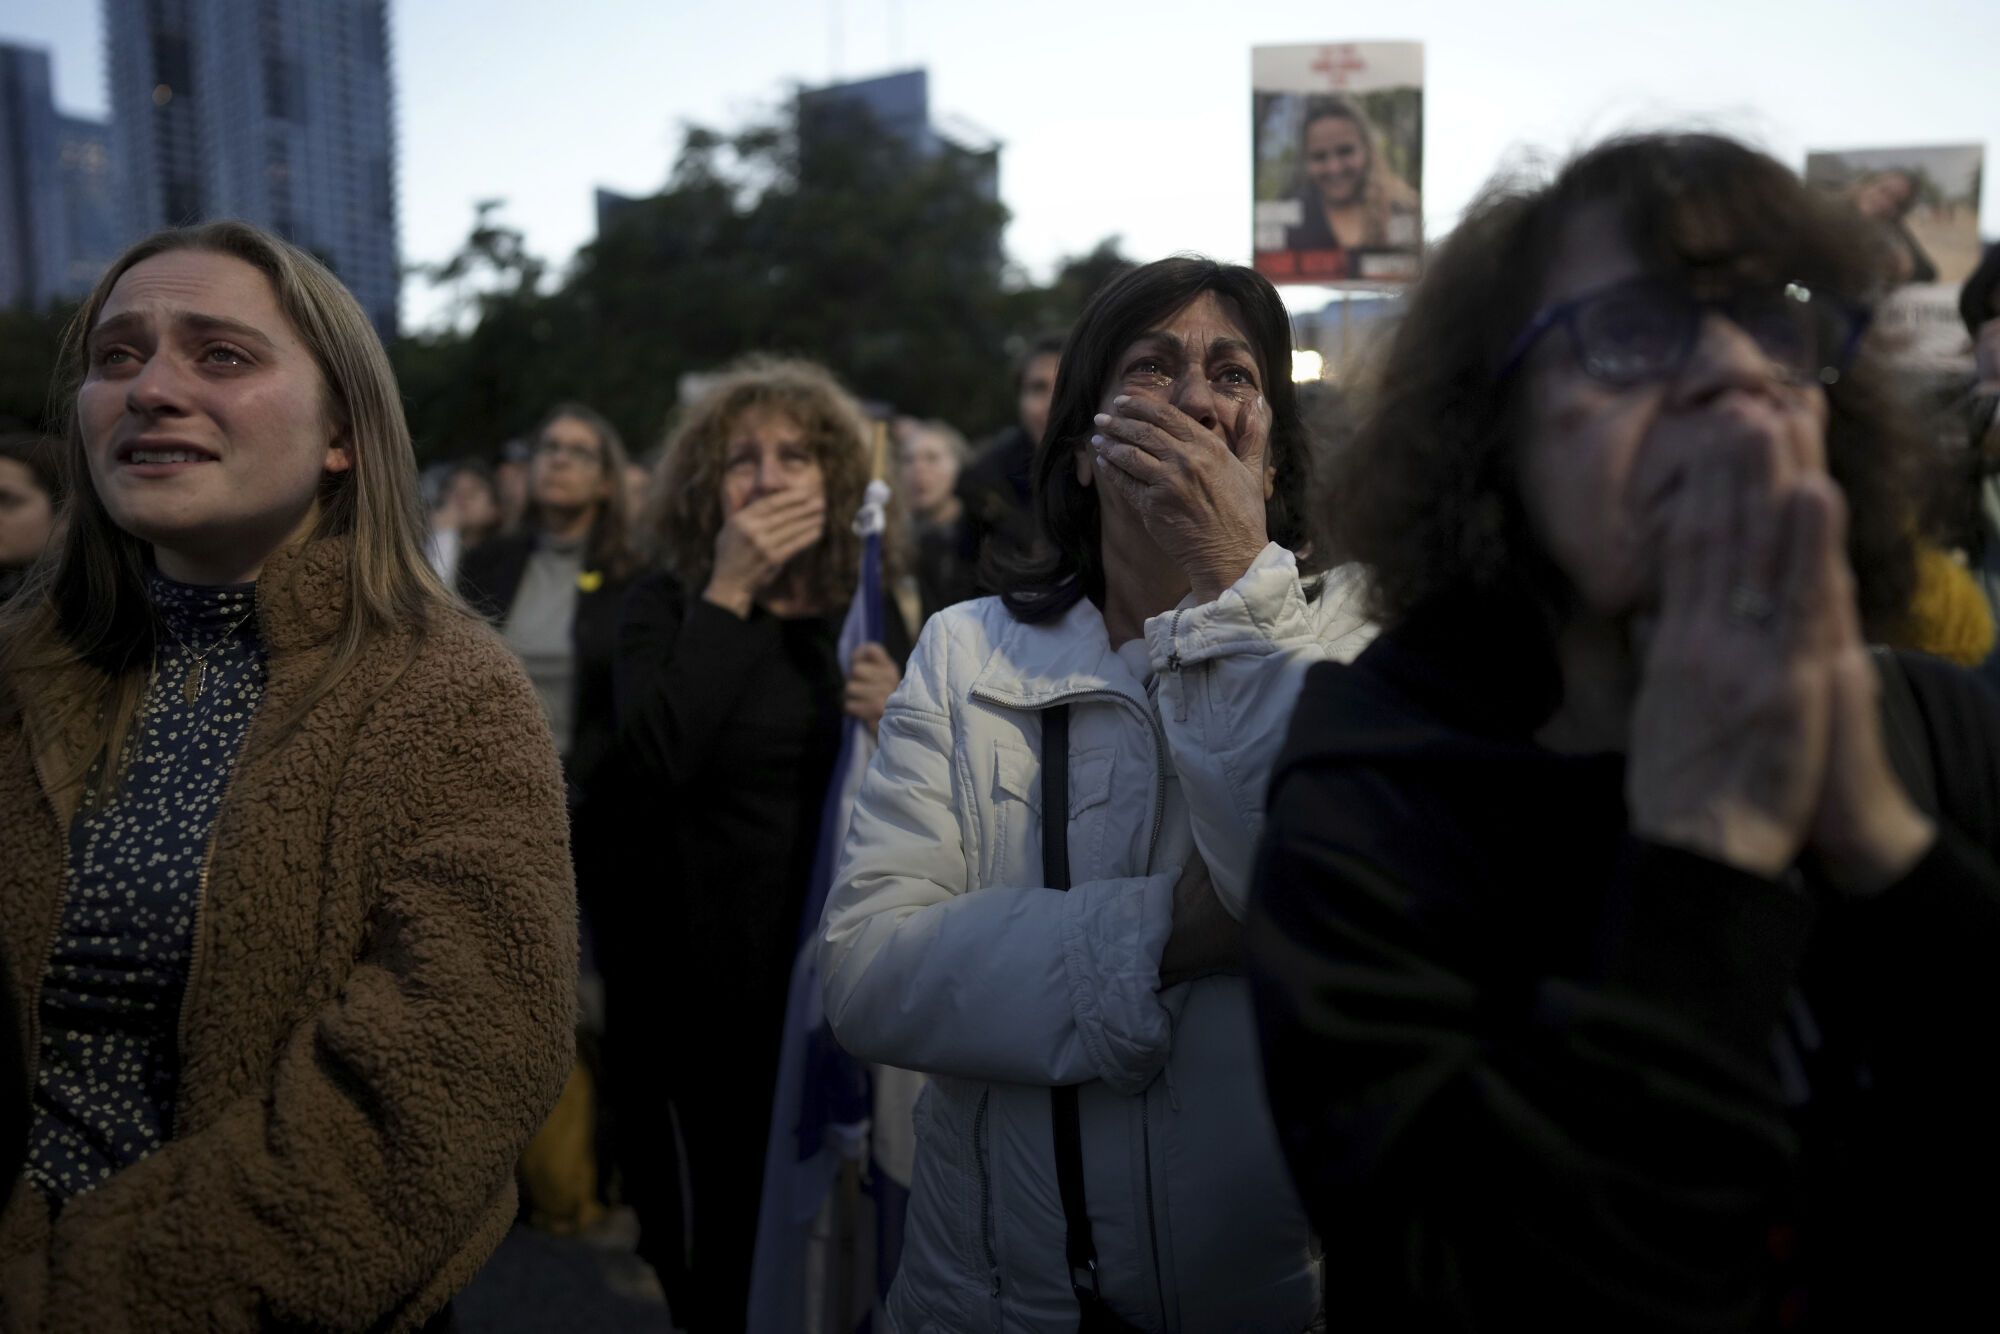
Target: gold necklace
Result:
[197, 675]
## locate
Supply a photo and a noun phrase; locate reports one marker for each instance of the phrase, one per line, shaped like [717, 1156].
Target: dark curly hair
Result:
[687, 509]
[1426, 496]
[1069, 565]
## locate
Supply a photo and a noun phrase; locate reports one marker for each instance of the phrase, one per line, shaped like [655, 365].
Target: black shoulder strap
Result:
[1078, 1246]
[1055, 796]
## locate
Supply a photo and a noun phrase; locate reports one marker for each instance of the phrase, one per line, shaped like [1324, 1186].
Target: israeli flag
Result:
[811, 1273]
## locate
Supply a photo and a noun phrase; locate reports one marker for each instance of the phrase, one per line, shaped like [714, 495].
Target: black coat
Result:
[728, 732]
[489, 577]
[1531, 1071]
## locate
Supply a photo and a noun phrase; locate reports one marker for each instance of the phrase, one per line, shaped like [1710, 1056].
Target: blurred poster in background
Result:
[1923, 204]
[1337, 144]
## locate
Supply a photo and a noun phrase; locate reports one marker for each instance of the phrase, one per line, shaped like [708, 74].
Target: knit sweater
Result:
[379, 1002]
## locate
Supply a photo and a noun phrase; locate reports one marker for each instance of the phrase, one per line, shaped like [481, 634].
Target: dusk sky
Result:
[1126, 120]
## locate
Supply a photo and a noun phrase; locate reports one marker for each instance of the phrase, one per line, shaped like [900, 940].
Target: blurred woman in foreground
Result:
[1623, 928]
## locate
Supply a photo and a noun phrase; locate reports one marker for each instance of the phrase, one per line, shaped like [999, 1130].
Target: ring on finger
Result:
[1752, 606]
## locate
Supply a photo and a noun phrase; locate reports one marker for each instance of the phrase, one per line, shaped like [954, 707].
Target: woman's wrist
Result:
[731, 597]
[1210, 578]
[1870, 859]
[1748, 843]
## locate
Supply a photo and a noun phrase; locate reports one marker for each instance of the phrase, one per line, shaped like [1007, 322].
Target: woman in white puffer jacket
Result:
[1172, 619]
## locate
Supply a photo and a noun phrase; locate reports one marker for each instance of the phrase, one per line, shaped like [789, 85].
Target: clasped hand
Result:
[1756, 732]
[1199, 496]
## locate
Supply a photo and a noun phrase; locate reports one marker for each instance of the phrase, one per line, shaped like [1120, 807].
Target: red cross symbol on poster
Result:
[1339, 64]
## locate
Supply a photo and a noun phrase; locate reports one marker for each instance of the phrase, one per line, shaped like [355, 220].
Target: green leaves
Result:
[850, 248]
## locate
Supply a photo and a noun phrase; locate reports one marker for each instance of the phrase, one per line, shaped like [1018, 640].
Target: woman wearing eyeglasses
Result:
[553, 590]
[1623, 930]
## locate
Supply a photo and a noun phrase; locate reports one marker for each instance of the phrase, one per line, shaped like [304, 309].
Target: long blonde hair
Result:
[1385, 193]
[86, 604]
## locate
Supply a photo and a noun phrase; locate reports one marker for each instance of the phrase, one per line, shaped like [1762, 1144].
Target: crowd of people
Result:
[1523, 856]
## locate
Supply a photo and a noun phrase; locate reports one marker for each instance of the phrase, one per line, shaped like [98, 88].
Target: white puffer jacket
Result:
[941, 951]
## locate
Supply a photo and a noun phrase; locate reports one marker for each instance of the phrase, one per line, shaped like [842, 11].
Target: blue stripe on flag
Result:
[824, 1096]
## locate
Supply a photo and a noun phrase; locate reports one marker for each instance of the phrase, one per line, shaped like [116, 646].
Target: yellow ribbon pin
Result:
[590, 580]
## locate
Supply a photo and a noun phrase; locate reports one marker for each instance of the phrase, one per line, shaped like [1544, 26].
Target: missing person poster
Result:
[1923, 205]
[1924, 202]
[1337, 143]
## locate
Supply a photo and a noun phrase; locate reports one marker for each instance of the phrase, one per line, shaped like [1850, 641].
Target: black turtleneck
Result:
[108, 1062]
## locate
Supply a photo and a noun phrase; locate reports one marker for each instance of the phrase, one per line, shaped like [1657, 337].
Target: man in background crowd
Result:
[994, 488]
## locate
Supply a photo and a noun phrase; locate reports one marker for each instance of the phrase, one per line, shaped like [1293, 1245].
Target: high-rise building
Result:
[90, 211]
[275, 111]
[56, 231]
[900, 105]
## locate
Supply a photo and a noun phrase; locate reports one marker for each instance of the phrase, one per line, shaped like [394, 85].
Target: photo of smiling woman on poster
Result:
[1351, 198]
[1338, 143]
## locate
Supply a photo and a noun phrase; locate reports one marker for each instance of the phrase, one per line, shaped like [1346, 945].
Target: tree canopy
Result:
[849, 248]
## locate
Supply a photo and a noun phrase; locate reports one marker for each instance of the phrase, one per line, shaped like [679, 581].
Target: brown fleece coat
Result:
[379, 1007]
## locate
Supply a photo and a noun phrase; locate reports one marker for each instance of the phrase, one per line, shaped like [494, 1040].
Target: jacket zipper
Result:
[985, 1191]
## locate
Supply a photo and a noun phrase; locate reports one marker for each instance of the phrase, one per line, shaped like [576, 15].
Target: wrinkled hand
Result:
[757, 541]
[1199, 496]
[1866, 832]
[1205, 939]
[871, 679]
[1730, 729]
[1756, 732]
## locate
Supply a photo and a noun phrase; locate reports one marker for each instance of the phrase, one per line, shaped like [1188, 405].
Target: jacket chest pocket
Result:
[1013, 847]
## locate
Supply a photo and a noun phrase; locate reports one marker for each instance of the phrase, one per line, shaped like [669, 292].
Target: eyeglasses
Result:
[589, 455]
[1645, 328]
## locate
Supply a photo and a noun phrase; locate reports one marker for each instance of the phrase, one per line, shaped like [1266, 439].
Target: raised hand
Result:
[871, 678]
[1866, 833]
[1205, 939]
[1731, 727]
[1199, 495]
[757, 541]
